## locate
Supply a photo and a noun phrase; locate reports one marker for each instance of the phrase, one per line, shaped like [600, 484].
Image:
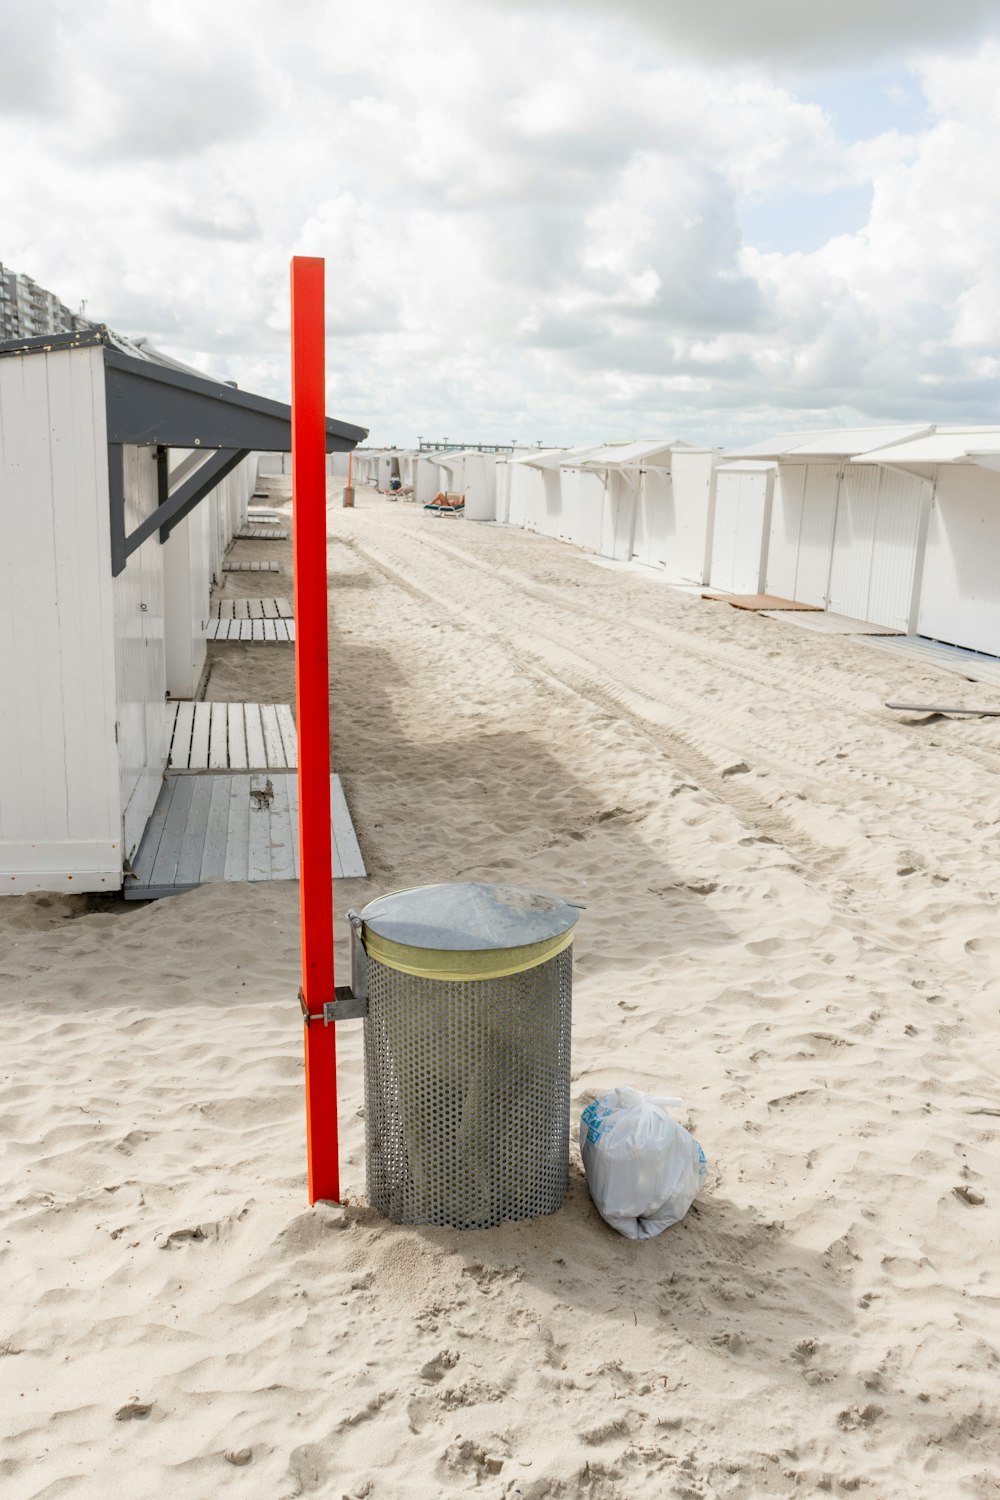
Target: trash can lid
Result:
[415, 930]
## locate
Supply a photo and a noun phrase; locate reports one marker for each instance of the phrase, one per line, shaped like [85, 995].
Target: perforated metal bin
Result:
[467, 1054]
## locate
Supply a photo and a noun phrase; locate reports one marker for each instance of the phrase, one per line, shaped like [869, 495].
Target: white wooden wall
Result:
[618, 518]
[654, 518]
[427, 479]
[800, 546]
[60, 824]
[878, 538]
[583, 506]
[690, 551]
[140, 670]
[480, 487]
[960, 594]
[503, 475]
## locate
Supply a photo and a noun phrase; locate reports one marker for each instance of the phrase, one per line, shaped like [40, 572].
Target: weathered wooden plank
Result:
[165, 865]
[255, 609]
[256, 755]
[213, 860]
[293, 816]
[198, 759]
[238, 830]
[180, 743]
[189, 859]
[145, 856]
[345, 839]
[284, 608]
[289, 738]
[241, 826]
[281, 832]
[274, 748]
[262, 534]
[257, 631]
[237, 736]
[251, 567]
[259, 835]
[218, 750]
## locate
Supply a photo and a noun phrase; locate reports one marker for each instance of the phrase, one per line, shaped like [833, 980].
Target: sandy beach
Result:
[791, 922]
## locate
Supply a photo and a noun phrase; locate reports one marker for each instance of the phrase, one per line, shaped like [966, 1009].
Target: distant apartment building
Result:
[27, 310]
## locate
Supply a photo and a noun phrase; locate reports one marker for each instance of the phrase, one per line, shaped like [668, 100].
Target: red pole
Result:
[312, 706]
[350, 462]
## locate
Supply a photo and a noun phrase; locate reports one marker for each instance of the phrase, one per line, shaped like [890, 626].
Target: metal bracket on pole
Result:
[345, 1006]
[350, 1002]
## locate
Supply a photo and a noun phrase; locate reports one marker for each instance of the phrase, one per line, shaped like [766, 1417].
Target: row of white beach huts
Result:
[897, 526]
[124, 478]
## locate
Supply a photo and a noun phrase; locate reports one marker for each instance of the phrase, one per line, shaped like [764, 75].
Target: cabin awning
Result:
[155, 403]
[835, 442]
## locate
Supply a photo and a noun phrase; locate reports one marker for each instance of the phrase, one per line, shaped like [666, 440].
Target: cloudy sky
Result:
[562, 220]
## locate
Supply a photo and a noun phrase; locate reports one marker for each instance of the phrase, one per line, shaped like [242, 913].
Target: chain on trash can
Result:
[467, 1054]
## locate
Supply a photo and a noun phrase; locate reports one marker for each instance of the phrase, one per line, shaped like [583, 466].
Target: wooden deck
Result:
[250, 630]
[262, 534]
[973, 665]
[242, 825]
[758, 602]
[250, 609]
[261, 517]
[232, 736]
[251, 567]
[827, 623]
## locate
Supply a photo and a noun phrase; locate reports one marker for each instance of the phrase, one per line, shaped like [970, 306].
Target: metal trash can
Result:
[467, 1054]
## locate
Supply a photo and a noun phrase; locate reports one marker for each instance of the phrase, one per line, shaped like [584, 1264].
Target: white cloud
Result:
[532, 225]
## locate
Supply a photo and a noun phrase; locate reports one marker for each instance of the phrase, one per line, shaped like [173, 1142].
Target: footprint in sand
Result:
[435, 1369]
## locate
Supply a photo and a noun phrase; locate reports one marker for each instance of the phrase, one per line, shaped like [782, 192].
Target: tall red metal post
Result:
[312, 704]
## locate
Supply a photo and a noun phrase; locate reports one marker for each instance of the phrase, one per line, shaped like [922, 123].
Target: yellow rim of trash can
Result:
[443, 964]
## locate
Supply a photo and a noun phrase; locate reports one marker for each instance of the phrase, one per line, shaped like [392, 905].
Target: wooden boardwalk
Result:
[974, 665]
[260, 517]
[250, 609]
[251, 567]
[250, 630]
[242, 825]
[232, 736]
[262, 534]
[827, 623]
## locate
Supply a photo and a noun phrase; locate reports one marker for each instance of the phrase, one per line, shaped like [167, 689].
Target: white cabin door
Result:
[819, 515]
[875, 547]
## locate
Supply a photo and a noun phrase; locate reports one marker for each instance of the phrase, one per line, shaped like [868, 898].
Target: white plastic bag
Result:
[643, 1168]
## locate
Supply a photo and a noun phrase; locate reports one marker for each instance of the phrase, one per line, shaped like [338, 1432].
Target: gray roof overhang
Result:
[153, 404]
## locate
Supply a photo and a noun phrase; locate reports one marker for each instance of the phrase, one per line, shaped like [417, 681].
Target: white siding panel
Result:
[819, 512]
[689, 554]
[786, 520]
[879, 525]
[854, 541]
[960, 595]
[740, 530]
[655, 521]
[618, 524]
[59, 826]
[583, 503]
[139, 654]
[899, 532]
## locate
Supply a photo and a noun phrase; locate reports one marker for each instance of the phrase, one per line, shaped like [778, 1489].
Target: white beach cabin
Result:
[958, 595]
[88, 502]
[657, 505]
[846, 537]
